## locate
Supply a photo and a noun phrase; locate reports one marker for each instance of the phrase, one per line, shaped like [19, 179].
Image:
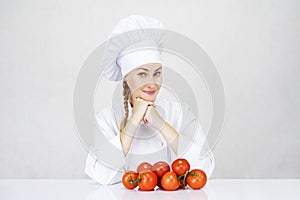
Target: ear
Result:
[125, 78]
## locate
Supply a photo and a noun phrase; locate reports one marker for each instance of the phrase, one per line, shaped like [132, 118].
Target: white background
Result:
[255, 46]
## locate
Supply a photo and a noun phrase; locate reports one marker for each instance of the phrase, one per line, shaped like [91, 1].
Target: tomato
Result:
[180, 166]
[169, 181]
[147, 181]
[144, 167]
[196, 179]
[160, 168]
[129, 179]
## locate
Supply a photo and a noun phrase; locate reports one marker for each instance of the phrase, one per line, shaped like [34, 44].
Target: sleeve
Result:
[192, 144]
[96, 167]
[102, 173]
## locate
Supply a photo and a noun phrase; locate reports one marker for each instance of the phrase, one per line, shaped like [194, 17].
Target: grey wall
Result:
[255, 46]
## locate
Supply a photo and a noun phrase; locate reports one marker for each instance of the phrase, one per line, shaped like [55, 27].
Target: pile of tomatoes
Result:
[149, 176]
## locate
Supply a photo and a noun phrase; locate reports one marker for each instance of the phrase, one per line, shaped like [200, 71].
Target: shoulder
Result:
[178, 114]
[104, 113]
[174, 112]
[168, 104]
[109, 115]
[175, 107]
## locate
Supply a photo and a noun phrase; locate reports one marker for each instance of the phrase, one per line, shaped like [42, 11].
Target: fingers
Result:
[150, 103]
[146, 106]
[147, 117]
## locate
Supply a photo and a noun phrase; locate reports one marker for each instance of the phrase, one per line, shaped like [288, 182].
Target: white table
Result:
[72, 189]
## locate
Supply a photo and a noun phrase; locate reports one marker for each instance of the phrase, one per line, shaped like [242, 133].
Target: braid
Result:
[126, 94]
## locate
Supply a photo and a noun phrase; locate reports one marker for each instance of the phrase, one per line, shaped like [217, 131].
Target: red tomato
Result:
[148, 181]
[180, 166]
[160, 168]
[169, 181]
[196, 179]
[129, 179]
[144, 167]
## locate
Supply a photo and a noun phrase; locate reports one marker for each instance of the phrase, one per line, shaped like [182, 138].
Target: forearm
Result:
[127, 135]
[171, 136]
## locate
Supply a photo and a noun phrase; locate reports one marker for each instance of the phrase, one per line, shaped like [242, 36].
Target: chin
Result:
[147, 98]
[150, 99]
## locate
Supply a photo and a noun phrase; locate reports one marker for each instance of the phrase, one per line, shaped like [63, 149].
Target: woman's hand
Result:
[153, 118]
[139, 109]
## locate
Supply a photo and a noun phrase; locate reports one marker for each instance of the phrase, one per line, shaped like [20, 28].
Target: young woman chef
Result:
[147, 128]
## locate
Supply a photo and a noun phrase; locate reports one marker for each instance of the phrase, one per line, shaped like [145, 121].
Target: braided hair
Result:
[126, 95]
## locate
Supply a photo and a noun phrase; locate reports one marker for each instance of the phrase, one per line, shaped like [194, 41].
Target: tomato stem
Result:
[193, 173]
[139, 179]
[182, 178]
[134, 181]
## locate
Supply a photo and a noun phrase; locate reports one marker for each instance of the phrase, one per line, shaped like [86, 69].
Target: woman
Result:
[151, 129]
[141, 87]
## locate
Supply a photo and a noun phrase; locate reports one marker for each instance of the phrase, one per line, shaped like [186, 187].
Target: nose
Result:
[152, 83]
[151, 86]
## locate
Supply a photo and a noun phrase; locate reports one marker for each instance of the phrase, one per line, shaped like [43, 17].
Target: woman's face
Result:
[145, 81]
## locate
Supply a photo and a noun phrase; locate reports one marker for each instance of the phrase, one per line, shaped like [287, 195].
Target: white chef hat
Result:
[134, 41]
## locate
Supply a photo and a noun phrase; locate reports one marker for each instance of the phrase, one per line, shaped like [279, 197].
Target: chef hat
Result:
[134, 41]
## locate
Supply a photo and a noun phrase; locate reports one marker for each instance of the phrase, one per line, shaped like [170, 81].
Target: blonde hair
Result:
[126, 96]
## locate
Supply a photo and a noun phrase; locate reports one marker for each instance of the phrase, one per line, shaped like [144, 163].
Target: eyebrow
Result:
[148, 69]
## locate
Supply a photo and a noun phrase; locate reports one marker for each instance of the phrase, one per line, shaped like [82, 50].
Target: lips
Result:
[150, 92]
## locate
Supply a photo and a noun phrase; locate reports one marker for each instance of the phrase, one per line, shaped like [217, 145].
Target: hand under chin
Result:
[148, 99]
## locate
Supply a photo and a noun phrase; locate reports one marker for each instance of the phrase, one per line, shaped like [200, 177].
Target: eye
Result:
[157, 73]
[142, 74]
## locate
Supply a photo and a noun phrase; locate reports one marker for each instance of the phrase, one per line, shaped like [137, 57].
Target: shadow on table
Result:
[118, 192]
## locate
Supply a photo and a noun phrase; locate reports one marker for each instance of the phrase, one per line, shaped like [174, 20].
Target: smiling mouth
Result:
[150, 92]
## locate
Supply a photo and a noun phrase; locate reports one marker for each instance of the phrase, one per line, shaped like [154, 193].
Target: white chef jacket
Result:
[148, 144]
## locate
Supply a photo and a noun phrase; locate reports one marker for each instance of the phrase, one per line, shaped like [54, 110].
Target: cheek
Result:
[158, 82]
[135, 85]
[133, 88]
